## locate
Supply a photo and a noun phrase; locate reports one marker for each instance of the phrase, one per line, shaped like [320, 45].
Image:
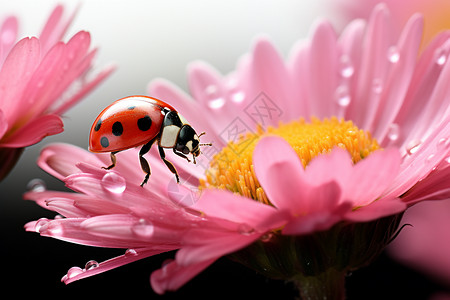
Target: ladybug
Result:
[141, 120]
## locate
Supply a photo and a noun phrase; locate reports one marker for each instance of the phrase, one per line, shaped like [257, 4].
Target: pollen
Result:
[232, 168]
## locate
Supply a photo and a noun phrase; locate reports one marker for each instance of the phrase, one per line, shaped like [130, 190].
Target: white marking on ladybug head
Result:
[189, 146]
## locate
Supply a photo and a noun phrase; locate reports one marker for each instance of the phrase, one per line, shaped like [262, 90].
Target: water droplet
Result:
[440, 56]
[215, 101]
[448, 159]
[377, 86]
[74, 271]
[346, 67]
[40, 223]
[393, 132]
[36, 185]
[238, 96]
[429, 158]
[413, 146]
[342, 96]
[443, 143]
[393, 54]
[114, 183]
[92, 264]
[143, 229]
[245, 229]
[131, 252]
[266, 237]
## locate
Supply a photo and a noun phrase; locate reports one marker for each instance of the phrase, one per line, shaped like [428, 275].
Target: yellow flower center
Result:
[232, 168]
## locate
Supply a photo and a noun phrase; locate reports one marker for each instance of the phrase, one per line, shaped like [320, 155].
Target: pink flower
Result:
[36, 75]
[283, 190]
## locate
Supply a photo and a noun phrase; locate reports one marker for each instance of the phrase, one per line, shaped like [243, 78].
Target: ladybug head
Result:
[188, 141]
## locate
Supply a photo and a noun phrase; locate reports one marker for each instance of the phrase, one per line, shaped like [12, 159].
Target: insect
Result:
[141, 120]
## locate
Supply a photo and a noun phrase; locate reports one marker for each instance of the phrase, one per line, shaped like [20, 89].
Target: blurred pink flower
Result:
[436, 13]
[426, 245]
[366, 75]
[36, 77]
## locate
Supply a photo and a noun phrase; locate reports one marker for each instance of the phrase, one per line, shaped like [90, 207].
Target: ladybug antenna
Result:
[205, 144]
[201, 133]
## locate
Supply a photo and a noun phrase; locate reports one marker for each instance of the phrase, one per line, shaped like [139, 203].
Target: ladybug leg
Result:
[181, 154]
[144, 163]
[168, 163]
[113, 161]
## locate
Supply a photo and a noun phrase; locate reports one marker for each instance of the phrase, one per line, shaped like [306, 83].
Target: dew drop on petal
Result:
[74, 271]
[342, 96]
[92, 264]
[377, 86]
[447, 159]
[238, 96]
[429, 158]
[346, 66]
[440, 56]
[36, 185]
[443, 143]
[266, 237]
[393, 132]
[393, 54]
[131, 252]
[143, 229]
[413, 146]
[214, 100]
[245, 229]
[114, 183]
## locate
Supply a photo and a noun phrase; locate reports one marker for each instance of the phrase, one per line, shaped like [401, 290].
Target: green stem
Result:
[329, 285]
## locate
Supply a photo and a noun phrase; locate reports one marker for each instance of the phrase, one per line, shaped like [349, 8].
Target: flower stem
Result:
[329, 285]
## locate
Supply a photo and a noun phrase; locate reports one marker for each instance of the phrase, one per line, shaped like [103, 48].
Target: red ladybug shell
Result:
[127, 123]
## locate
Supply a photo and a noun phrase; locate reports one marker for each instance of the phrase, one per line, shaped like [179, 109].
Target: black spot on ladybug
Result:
[144, 123]
[117, 129]
[131, 107]
[104, 142]
[98, 125]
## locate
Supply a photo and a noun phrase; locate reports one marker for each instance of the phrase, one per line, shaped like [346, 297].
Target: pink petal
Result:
[235, 208]
[280, 173]
[8, 34]
[269, 76]
[323, 70]
[372, 176]
[172, 276]
[16, 71]
[435, 186]
[417, 166]
[213, 246]
[60, 160]
[34, 131]
[373, 67]
[86, 89]
[130, 256]
[399, 77]
[376, 210]
[423, 82]
[312, 222]
[55, 28]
